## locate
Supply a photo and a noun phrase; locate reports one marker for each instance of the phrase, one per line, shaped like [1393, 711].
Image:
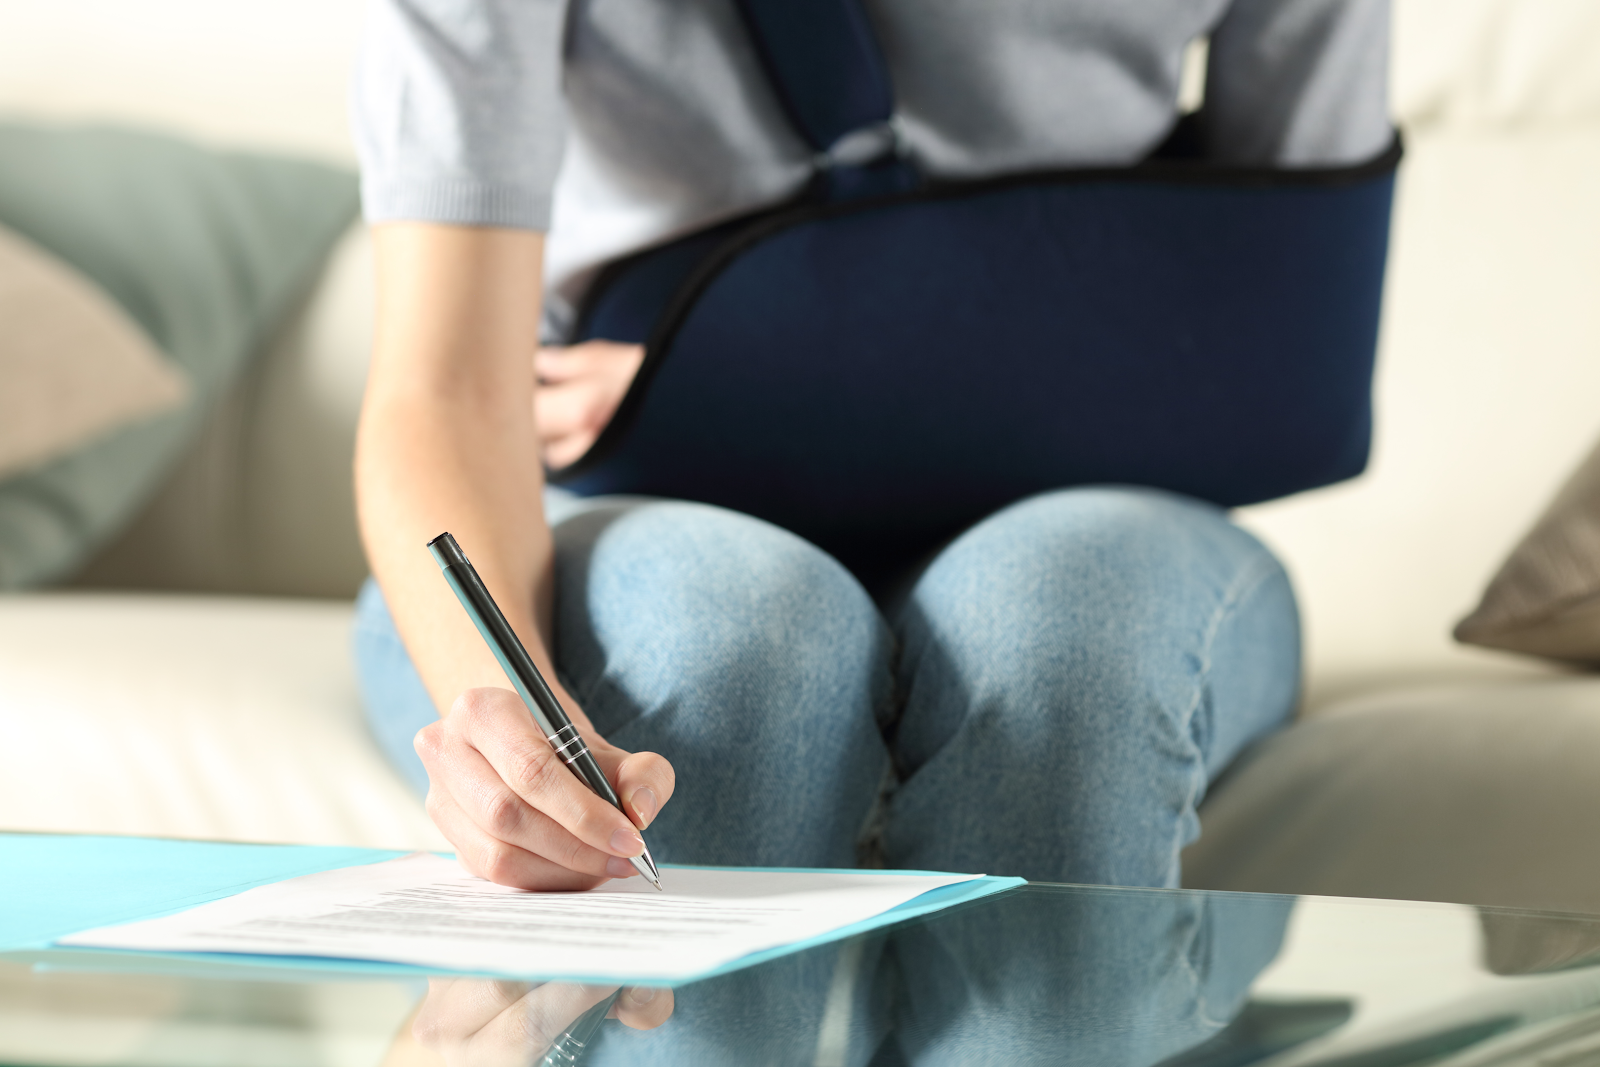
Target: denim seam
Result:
[896, 700]
[1244, 584]
[870, 844]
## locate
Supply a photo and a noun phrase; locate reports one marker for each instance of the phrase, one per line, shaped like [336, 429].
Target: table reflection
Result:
[1103, 978]
[485, 1023]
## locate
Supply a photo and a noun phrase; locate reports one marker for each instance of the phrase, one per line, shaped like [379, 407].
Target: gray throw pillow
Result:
[1545, 601]
[205, 250]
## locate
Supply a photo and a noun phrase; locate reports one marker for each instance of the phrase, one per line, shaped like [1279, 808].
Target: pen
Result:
[531, 686]
[574, 1041]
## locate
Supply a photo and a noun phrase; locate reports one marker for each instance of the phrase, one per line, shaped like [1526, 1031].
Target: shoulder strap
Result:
[823, 60]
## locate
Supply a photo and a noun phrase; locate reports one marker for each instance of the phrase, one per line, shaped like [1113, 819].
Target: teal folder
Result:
[54, 885]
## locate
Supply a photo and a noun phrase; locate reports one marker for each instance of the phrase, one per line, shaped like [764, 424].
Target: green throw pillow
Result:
[205, 249]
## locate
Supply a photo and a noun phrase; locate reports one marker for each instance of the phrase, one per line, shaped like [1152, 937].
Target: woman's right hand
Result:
[516, 814]
[471, 1022]
[448, 441]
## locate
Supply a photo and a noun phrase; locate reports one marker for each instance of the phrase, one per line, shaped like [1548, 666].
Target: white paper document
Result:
[426, 911]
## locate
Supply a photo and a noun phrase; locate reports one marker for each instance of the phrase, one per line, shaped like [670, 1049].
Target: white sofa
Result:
[210, 695]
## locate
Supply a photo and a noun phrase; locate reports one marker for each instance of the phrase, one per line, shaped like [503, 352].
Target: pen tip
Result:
[645, 864]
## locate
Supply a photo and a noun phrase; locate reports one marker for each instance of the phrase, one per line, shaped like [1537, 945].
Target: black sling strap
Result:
[823, 60]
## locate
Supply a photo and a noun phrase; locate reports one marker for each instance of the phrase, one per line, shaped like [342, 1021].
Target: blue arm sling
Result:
[888, 359]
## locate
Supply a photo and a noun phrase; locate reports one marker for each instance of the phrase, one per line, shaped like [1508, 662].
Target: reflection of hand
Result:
[579, 389]
[470, 1022]
[516, 814]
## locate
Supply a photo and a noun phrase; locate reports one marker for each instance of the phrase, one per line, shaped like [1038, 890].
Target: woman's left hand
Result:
[579, 388]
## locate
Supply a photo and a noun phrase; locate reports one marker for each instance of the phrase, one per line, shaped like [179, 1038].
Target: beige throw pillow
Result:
[1546, 599]
[73, 365]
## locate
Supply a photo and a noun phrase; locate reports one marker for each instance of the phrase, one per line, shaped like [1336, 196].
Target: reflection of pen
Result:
[535, 691]
[574, 1042]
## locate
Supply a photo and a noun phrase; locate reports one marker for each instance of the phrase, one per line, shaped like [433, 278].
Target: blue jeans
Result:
[1048, 697]
[1064, 977]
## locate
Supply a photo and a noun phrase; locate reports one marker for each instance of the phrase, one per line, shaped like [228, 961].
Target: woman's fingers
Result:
[569, 419]
[517, 814]
[495, 723]
[643, 1007]
[608, 361]
[546, 1013]
[457, 1008]
[567, 450]
[579, 389]
[574, 407]
[479, 1023]
[643, 780]
[519, 1035]
[499, 861]
[553, 365]
[466, 788]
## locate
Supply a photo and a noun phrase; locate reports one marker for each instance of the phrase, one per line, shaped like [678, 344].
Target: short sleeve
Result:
[458, 112]
[1299, 82]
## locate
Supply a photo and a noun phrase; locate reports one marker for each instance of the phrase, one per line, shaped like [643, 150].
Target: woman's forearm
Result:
[447, 442]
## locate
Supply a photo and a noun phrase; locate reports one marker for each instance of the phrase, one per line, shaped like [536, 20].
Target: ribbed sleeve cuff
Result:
[458, 203]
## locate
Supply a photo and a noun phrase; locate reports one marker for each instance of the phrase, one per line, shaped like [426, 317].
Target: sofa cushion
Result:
[1479, 794]
[238, 719]
[73, 366]
[205, 250]
[201, 717]
[1545, 600]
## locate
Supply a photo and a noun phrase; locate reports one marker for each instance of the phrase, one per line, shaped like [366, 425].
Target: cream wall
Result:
[1496, 63]
[243, 71]
[1487, 396]
[1488, 386]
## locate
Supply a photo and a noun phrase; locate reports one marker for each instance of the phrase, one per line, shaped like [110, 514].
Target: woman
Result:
[1048, 695]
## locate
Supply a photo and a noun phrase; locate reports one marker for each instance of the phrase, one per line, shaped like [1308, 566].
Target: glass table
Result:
[1041, 975]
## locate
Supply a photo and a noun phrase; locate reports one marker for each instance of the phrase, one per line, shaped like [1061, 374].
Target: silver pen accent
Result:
[569, 1048]
[570, 746]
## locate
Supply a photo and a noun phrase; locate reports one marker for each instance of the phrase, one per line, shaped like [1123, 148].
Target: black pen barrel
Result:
[500, 637]
[508, 649]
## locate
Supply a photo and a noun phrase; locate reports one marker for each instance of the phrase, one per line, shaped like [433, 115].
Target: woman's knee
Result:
[1097, 652]
[1095, 569]
[393, 697]
[1069, 609]
[666, 602]
[744, 655]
